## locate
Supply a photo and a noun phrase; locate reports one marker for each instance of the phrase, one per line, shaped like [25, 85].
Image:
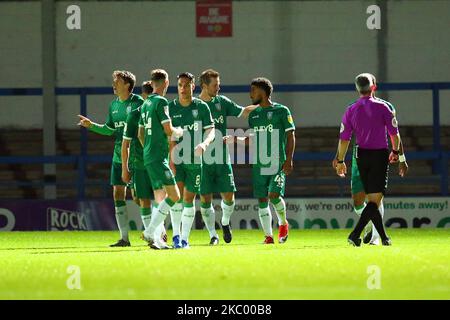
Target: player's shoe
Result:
[158, 245]
[268, 240]
[283, 231]
[185, 244]
[386, 242]
[375, 241]
[121, 243]
[367, 237]
[176, 242]
[214, 241]
[356, 242]
[227, 234]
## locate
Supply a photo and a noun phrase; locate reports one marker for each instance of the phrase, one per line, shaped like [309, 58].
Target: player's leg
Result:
[359, 197]
[143, 191]
[209, 217]
[191, 188]
[374, 169]
[227, 189]
[375, 236]
[363, 167]
[265, 218]
[276, 193]
[166, 195]
[188, 217]
[119, 192]
[379, 180]
[208, 180]
[227, 206]
[260, 191]
[145, 212]
[176, 211]
[132, 189]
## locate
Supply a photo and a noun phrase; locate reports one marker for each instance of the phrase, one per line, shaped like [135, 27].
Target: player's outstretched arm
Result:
[248, 110]
[125, 156]
[288, 165]
[172, 145]
[201, 147]
[102, 129]
[171, 131]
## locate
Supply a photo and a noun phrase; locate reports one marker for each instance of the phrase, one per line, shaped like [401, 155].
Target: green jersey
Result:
[117, 117]
[136, 157]
[154, 113]
[194, 119]
[221, 107]
[270, 125]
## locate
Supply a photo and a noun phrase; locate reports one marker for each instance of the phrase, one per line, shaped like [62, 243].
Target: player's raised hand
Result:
[403, 168]
[341, 169]
[288, 167]
[199, 149]
[84, 122]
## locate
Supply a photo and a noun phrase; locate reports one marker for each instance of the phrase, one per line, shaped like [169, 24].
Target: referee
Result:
[369, 118]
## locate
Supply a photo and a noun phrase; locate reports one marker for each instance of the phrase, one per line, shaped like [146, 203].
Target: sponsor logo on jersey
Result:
[264, 128]
[195, 113]
[119, 124]
[289, 119]
[177, 116]
[195, 126]
[255, 117]
[219, 120]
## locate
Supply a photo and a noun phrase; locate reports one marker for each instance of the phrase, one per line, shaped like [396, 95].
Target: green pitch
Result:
[313, 264]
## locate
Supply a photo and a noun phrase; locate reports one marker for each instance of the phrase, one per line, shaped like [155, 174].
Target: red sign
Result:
[214, 18]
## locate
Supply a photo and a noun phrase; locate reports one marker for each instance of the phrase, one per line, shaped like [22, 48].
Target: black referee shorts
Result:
[373, 166]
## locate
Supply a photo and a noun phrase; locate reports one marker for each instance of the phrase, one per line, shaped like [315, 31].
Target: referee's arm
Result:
[344, 141]
[341, 168]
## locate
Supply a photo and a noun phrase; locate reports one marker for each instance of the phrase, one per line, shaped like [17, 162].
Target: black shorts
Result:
[373, 166]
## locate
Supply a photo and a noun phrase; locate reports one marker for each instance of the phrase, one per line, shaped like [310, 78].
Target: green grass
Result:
[313, 264]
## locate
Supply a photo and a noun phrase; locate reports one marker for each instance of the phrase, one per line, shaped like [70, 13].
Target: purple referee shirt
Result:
[369, 118]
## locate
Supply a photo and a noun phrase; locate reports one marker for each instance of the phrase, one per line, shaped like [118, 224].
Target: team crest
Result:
[218, 106]
[195, 113]
[168, 174]
[128, 109]
[269, 115]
